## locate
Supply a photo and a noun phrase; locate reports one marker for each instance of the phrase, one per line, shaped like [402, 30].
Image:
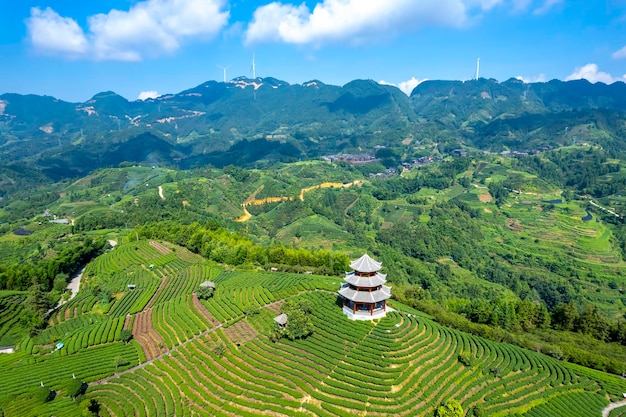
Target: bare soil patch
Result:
[241, 332]
[275, 307]
[485, 198]
[150, 340]
[514, 225]
[202, 310]
[160, 248]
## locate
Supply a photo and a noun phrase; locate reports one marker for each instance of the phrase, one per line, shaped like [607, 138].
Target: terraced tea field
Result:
[401, 365]
[192, 357]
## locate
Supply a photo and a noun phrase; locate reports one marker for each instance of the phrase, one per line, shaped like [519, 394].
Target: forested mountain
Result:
[520, 116]
[215, 121]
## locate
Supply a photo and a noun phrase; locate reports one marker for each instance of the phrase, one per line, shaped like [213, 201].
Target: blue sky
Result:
[74, 49]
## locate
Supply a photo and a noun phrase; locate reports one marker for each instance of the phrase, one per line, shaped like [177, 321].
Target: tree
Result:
[451, 408]
[60, 282]
[75, 387]
[204, 293]
[299, 325]
[37, 300]
[126, 335]
[498, 191]
[43, 394]
[90, 408]
[119, 361]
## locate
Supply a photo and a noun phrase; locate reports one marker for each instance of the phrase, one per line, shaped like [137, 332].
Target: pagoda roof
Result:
[374, 281]
[365, 264]
[365, 296]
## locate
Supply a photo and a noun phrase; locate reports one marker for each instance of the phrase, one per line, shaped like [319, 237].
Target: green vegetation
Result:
[403, 363]
[527, 250]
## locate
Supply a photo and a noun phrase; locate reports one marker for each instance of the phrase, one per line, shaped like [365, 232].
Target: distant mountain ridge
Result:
[195, 126]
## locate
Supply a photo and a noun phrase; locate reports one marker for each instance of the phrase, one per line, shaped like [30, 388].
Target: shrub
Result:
[218, 349]
[251, 310]
[75, 387]
[451, 408]
[204, 293]
[466, 359]
[478, 411]
[126, 335]
[90, 408]
[43, 394]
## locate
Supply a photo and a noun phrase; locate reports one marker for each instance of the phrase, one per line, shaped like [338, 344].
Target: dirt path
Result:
[252, 198]
[74, 284]
[246, 215]
[606, 410]
[327, 185]
[161, 192]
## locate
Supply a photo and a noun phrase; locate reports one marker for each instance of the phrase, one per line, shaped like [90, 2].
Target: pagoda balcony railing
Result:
[364, 314]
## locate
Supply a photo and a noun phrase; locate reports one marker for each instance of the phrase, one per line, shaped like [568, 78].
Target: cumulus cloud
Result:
[592, 73]
[619, 54]
[356, 20]
[148, 28]
[541, 78]
[51, 34]
[405, 86]
[144, 95]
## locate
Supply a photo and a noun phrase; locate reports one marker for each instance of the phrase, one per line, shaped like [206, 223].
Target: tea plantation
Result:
[194, 357]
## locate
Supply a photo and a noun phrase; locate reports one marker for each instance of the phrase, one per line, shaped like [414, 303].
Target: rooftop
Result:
[365, 264]
[374, 281]
[365, 296]
[281, 319]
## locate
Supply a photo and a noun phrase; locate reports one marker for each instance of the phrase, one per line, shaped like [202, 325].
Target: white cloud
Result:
[546, 6]
[405, 86]
[541, 78]
[144, 95]
[592, 73]
[357, 20]
[51, 34]
[521, 5]
[148, 28]
[619, 54]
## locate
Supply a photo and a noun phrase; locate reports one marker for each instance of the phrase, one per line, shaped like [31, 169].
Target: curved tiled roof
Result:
[369, 282]
[365, 296]
[365, 264]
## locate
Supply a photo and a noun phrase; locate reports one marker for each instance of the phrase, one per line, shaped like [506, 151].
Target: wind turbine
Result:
[224, 68]
[253, 68]
[477, 67]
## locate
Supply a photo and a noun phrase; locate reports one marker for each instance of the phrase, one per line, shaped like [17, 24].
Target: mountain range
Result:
[245, 121]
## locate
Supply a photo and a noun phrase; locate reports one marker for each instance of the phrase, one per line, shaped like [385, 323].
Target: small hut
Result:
[281, 320]
[208, 284]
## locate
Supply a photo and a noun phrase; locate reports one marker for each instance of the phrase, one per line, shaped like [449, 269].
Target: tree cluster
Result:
[218, 244]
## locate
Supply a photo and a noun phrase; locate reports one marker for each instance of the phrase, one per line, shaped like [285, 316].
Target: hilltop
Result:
[270, 120]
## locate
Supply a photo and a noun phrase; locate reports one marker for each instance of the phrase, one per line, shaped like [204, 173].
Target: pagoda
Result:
[364, 293]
